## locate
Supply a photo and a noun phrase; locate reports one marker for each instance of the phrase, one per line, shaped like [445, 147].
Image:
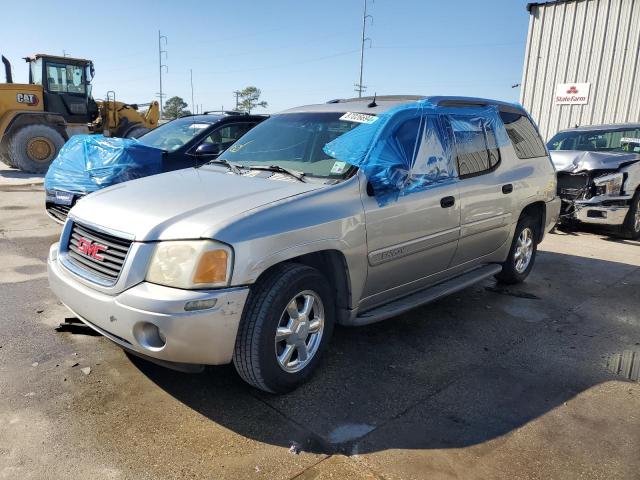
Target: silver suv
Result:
[348, 212]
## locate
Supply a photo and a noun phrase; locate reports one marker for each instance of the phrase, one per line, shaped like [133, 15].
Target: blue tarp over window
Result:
[87, 163]
[414, 146]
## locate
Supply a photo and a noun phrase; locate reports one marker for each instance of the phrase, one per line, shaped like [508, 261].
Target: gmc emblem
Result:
[91, 249]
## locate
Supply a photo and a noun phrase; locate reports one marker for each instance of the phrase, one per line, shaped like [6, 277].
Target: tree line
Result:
[247, 99]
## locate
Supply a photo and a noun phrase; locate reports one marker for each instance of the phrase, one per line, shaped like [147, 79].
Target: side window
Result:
[523, 135]
[422, 145]
[476, 147]
[229, 133]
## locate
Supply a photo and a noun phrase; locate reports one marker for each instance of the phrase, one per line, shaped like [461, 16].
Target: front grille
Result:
[573, 186]
[106, 262]
[59, 212]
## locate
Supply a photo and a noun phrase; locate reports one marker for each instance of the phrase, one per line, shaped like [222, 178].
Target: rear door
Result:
[413, 237]
[486, 189]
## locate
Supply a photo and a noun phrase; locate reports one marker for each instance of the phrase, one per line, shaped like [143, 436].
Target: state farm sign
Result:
[572, 93]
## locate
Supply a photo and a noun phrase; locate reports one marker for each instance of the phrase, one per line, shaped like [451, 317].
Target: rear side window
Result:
[476, 147]
[523, 135]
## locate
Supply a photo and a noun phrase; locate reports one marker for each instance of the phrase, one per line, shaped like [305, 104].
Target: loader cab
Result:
[66, 84]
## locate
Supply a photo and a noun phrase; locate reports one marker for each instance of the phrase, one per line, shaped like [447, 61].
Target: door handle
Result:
[447, 202]
[508, 188]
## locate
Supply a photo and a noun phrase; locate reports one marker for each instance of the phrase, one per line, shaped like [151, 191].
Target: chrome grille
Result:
[108, 261]
[59, 212]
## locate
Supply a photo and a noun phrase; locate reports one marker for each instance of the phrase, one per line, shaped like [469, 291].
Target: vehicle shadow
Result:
[458, 372]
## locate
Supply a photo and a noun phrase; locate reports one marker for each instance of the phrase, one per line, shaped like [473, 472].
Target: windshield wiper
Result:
[277, 168]
[220, 161]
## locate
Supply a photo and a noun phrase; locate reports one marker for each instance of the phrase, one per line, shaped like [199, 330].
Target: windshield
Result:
[618, 140]
[174, 134]
[293, 141]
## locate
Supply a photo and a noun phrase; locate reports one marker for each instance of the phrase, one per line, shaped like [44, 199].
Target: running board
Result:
[428, 295]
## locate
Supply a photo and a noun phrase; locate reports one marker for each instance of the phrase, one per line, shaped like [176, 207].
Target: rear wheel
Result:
[631, 226]
[136, 132]
[285, 328]
[522, 254]
[33, 147]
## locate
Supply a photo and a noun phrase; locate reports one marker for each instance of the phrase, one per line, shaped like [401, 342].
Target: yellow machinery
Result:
[37, 118]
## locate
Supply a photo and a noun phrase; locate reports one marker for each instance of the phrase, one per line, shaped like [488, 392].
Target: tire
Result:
[631, 226]
[516, 268]
[136, 132]
[6, 161]
[268, 311]
[33, 147]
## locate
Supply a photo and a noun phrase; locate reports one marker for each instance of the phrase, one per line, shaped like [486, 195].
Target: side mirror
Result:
[210, 149]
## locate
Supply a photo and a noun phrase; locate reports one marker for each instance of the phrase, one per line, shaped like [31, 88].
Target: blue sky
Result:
[296, 51]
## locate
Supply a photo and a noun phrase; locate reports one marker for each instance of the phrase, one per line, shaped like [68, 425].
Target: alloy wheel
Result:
[524, 250]
[299, 331]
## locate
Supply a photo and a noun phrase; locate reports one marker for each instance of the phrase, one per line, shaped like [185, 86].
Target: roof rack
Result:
[378, 98]
[226, 112]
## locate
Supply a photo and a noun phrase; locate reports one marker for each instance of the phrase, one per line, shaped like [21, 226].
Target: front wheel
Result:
[33, 147]
[522, 254]
[285, 327]
[631, 226]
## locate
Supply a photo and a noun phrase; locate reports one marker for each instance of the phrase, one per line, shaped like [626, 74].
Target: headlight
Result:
[191, 264]
[609, 184]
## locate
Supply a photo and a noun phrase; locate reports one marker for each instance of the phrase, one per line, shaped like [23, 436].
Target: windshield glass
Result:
[619, 140]
[174, 134]
[293, 141]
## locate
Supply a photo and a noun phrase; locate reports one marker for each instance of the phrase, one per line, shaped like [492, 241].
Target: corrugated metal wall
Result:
[583, 41]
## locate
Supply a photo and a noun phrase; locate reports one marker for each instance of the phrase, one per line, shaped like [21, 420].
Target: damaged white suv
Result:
[348, 212]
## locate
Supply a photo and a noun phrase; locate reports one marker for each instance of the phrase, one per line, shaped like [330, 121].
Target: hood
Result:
[184, 204]
[578, 161]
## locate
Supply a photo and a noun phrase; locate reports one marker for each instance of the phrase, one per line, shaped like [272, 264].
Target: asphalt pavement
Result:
[529, 381]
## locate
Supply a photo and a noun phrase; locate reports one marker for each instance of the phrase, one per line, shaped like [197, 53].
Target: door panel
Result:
[408, 240]
[485, 215]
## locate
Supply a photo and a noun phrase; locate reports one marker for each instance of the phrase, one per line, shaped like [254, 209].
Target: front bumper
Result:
[598, 211]
[151, 319]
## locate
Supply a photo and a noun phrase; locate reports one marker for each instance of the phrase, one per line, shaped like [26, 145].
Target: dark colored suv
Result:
[188, 141]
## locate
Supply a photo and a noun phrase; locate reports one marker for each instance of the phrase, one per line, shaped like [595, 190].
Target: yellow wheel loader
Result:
[37, 118]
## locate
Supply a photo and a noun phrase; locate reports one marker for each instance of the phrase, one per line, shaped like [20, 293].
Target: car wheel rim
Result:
[524, 250]
[299, 331]
[636, 222]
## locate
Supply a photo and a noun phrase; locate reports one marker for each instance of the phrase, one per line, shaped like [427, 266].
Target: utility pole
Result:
[194, 108]
[359, 86]
[237, 94]
[162, 65]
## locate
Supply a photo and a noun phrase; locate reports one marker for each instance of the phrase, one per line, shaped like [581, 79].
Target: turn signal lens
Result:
[212, 267]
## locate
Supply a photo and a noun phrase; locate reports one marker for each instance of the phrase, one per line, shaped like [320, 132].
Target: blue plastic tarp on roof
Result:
[87, 163]
[414, 146]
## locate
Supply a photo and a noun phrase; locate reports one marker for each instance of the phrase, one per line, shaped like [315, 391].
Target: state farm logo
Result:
[28, 98]
[91, 249]
[572, 94]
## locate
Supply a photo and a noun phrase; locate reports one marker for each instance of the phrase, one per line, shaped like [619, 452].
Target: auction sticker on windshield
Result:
[358, 117]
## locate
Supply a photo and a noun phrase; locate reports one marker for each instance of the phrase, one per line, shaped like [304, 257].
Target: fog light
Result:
[149, 336]
[200, 304]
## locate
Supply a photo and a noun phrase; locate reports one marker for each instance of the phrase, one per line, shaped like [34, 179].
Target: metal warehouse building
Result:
[582, 63]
